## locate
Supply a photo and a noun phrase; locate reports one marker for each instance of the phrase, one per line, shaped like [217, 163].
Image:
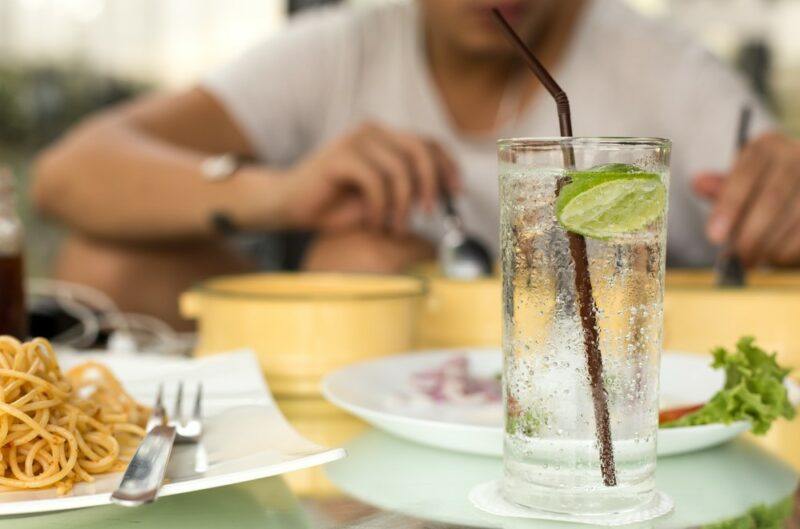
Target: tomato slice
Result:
[673, 414]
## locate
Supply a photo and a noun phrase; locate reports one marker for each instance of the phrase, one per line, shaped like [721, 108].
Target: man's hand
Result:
[757, 205]
[369, 178]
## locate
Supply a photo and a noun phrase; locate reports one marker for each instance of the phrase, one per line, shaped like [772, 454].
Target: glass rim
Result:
[547, 142]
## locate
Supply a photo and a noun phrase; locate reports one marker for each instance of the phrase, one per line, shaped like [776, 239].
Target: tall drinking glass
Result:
[563, 407]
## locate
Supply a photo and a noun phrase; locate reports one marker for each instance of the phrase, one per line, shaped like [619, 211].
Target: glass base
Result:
[564, 476]
[594, 500]
[488, 497]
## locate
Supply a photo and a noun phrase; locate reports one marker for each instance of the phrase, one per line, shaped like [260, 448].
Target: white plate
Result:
[365, 390]
[245, 438]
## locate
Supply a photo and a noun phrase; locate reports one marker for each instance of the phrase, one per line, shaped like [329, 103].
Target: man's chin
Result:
[487, 47]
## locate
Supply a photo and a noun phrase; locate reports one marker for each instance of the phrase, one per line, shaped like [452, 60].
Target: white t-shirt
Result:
[625, 75]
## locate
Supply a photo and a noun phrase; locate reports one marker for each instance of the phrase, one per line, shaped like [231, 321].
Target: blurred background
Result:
[61, 59]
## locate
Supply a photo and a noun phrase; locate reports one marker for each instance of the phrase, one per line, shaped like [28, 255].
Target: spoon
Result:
[461, 256]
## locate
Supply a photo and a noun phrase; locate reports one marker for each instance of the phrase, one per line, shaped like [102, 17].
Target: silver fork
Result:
[145, 473]
[189, 430]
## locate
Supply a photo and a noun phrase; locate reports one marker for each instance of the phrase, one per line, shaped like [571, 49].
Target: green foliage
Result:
[527, 423]
[753, 390]
[38, 103]
[760, 517]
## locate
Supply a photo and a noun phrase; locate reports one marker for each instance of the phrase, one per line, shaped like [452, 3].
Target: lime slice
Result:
[614, 168]
[605, 204]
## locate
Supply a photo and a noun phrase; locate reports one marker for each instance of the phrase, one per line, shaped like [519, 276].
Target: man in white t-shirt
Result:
[353, 119]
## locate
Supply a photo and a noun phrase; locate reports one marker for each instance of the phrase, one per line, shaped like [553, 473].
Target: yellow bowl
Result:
[699, 316]
[303, 326]
[459, 313]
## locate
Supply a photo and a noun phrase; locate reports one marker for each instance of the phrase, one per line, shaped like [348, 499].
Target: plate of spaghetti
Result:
[69, 425]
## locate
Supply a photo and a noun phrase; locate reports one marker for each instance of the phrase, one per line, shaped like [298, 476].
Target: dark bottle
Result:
[13, 316]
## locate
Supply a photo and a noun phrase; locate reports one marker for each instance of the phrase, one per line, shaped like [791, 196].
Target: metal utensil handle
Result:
[145, 472]
[729, 271]
[447, 202]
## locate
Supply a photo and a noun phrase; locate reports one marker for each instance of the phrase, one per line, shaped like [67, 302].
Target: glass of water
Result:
[583, 234]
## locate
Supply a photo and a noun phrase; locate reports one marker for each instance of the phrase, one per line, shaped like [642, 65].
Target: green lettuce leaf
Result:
[762, 516]
[753, 390]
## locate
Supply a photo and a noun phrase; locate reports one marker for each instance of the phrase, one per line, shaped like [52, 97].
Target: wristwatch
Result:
[218, 169]
[221, 167]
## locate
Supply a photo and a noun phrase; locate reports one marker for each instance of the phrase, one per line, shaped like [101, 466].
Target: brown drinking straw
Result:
[577, 249]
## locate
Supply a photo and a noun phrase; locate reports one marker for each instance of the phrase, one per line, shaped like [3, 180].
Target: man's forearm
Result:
[110, 181]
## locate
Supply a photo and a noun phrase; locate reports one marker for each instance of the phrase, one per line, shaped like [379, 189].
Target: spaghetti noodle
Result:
[58, 430]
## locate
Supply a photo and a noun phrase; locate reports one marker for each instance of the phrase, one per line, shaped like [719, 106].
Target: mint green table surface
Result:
[394, 484]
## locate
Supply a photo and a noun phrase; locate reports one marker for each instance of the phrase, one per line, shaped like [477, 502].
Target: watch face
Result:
[216, 168]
